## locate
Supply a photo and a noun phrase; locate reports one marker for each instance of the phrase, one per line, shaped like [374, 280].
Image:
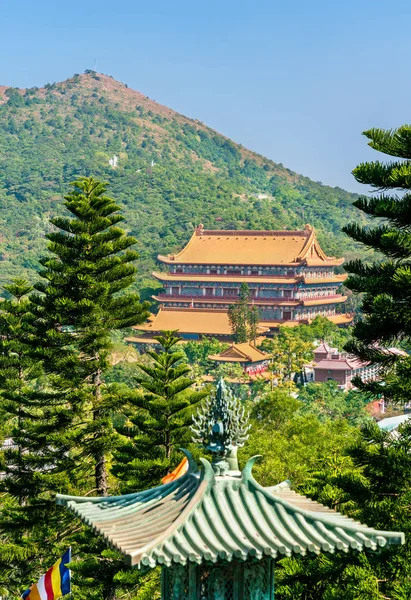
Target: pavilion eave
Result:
[171, 524]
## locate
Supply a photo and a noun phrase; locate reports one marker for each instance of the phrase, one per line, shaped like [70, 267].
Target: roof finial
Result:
[221, 427]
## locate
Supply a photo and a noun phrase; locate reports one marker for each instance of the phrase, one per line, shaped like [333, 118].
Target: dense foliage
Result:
[172, 173]
[288, 354]
[81, 300]
[321, 329]
[386, 285]
[326, 401]
[371, 482]
[158, 422]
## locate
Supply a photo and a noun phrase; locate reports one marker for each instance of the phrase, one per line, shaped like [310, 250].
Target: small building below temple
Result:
[252, 360]
[330, 364]
[290, 280]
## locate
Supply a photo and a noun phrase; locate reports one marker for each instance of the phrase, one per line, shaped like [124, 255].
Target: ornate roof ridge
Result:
[209, 517]
[255, 232]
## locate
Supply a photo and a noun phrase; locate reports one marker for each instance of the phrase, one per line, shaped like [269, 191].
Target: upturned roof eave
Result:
[230, 517]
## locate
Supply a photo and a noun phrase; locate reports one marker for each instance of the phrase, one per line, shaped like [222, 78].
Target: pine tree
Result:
[386, 284]
[372, 485]
[35, 458]
[66, 426]
[160, 419]
[81, 300]
[253, 322]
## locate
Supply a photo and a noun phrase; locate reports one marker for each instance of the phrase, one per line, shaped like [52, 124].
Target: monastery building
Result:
[290, 278]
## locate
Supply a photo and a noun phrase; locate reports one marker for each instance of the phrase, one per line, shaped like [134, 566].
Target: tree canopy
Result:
[385, 284]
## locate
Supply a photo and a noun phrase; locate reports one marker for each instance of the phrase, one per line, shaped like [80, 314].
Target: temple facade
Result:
[290, 279]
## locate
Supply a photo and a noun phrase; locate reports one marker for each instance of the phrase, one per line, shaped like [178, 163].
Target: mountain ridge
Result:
[171, 173]
[109, 84]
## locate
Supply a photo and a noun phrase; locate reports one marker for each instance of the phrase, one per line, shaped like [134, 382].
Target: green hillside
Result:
[172, 173]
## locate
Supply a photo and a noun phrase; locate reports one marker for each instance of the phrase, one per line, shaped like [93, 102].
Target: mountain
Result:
[167, 171]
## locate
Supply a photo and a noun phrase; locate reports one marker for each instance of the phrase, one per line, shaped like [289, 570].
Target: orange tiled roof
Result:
[190, 320]
[142, 339]
[211, 321]
[341, 319]
[240, 353]
[252, 248]
[334, 279]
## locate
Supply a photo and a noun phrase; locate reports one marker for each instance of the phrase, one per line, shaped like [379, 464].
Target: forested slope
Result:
[171, 173]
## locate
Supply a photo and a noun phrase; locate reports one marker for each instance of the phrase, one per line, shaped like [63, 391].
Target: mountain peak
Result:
[168, 171]
[90, 83]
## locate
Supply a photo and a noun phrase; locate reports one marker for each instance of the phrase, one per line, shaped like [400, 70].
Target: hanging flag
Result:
[179, 471]
[54, 584]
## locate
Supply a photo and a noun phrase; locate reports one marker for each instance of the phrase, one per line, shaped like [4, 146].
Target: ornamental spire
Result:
[221, 426]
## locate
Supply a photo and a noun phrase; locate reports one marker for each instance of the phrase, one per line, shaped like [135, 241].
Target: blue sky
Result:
[295, 80]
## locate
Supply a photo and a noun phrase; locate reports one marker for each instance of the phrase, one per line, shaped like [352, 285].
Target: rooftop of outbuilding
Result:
[205, 517]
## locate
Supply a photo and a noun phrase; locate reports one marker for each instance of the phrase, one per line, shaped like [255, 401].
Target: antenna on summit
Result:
[95, 65]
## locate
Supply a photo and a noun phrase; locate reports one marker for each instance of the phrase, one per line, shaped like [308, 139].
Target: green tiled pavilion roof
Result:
[204, 517]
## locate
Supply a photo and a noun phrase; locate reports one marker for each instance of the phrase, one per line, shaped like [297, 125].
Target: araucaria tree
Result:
[386, 284]
[372, 484]
[243, 317]
[80, 301]
[36, 427]
[158, 423]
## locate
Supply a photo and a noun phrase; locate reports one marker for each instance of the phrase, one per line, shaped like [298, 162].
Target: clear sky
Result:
[295, 80]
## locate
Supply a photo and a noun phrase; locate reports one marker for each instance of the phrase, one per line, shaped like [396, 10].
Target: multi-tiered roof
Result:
[290, 279]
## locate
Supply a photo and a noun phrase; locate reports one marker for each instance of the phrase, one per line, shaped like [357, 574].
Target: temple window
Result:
[230, 292]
